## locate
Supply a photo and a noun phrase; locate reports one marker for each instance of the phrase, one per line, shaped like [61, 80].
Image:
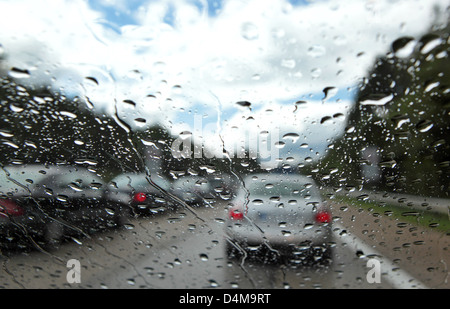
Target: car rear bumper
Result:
[249, 235]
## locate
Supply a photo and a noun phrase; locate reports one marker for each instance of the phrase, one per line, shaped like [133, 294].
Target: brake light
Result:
[9, 208]
[323, 217]
[140, 197]
[236, 214]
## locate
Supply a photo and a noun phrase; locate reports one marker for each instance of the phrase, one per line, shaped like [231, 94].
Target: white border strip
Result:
[397, 277]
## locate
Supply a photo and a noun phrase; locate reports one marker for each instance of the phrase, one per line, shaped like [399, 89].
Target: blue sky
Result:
[117, 17]
[127, 16]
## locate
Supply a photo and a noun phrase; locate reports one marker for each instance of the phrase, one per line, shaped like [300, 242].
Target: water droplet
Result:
[128, 226]
[429, 42]
[288, 63]
[86, 161]
[430, 86]
[316, 51]
[377, 99]
[177, 89]
[326, 119]
[6, 133]
[93, 80]
[304, 145]
[293, 136]
[74, 186]
[403, 47]
[411, 213]
[140, 120]
[438, 143]
[280, 144]
[185, 135]
[424, 126]
[77, 241]
[387, 163]
[19, 73]
[275, 199]
[203, 257]
[316, 72]
[11, 144]
[299, 103]
[62, 198]
[249, 31]
[330, 92]
[110, 211]
[68, 114]
[286, 233]
[15, 108]
[244, 104]
[350, 129]
[399, 120]
[48, 191]
[130, 102]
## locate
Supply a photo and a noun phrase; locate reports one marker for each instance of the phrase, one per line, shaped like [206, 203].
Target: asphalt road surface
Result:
[186, 250]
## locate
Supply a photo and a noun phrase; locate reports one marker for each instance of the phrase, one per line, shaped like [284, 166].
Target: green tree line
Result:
[405, 141]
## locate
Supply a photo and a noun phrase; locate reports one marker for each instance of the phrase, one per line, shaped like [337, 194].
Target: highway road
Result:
[186, 250]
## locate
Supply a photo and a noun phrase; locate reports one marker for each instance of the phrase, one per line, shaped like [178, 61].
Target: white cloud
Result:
[261, 51]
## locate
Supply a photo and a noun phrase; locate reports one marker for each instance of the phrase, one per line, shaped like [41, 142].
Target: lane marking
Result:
[397, 277]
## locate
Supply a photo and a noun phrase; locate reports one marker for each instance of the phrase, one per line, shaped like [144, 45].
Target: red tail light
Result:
[9, 208]
[323, 217]
[236, 214]
[140, 197]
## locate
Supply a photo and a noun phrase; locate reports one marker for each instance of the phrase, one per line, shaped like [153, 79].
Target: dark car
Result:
[19, 226]
[64, 201]
[138, 194]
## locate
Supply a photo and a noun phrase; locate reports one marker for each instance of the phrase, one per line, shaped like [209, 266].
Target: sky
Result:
[170, 61]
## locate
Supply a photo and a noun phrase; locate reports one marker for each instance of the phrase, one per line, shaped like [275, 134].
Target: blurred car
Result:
[62, 201]
[279, 215]
[18, 225]
[136, 192]
[194, 190]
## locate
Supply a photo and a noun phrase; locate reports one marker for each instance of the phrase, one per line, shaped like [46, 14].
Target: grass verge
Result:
[403, 214]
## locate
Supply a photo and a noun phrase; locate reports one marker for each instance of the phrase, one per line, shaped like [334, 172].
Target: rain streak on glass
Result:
[225, 144]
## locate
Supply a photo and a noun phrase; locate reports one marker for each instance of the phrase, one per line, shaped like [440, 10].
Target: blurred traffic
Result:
[41, 206]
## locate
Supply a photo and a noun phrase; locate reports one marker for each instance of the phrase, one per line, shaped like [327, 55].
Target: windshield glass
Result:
[224, 144]
[287, 188]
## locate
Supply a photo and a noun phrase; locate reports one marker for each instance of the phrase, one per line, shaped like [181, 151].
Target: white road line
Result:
[397, 277]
